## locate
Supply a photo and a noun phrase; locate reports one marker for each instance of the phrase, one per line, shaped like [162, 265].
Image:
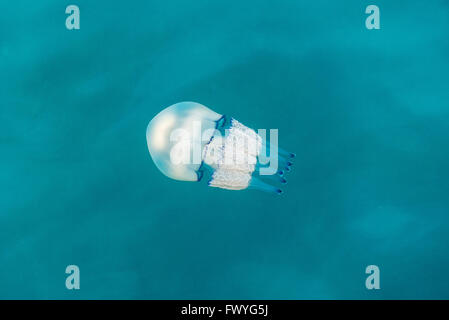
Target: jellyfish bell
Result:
[188, 141]
[173, 133]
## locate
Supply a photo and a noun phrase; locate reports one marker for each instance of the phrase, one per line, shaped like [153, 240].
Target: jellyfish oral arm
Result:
[233, 157]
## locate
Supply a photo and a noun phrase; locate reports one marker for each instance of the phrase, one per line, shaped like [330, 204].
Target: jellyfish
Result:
[188, 141]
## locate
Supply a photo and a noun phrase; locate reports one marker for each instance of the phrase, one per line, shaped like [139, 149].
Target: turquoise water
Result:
[366, 111]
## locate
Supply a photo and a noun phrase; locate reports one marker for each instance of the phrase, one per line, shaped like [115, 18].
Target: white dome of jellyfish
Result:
[190, 142]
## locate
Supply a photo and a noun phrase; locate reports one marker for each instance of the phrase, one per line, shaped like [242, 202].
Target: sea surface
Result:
[366, 112]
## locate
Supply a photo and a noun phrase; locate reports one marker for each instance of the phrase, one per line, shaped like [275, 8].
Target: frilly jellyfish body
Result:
[190, 142]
